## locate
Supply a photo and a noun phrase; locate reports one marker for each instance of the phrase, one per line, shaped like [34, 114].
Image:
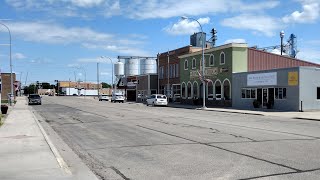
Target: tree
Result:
[105, 85]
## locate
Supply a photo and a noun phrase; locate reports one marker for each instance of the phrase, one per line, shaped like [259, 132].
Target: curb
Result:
[54, 150]
[309, 119]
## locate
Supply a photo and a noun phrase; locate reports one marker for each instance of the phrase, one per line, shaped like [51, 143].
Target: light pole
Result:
[11, 77]
[281, 36]
[111, 72]
[203, 62]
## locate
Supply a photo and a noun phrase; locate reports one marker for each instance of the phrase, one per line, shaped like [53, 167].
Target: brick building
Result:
[169, 70]
[5, 85]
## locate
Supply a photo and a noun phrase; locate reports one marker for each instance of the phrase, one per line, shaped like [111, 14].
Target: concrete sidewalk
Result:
[313, 115]
[26, 151]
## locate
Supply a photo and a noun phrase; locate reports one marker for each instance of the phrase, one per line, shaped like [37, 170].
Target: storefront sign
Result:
[262, 79]
[293, 78]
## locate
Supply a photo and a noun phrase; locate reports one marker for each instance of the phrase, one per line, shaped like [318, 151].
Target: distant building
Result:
[5, 85]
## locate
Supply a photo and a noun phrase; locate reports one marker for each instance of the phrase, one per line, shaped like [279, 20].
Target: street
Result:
[134, 141]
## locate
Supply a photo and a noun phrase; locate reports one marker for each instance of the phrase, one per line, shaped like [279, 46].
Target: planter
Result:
[256, 104]
[4, 109]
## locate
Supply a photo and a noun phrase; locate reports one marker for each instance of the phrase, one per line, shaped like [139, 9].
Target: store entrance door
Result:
[264, 97]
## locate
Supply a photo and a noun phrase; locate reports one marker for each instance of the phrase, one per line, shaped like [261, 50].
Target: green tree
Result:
[105, 85]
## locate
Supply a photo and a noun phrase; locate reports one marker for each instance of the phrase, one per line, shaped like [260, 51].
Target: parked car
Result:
[34, 99]
[117, 97]
[104, 97]
[157, 100]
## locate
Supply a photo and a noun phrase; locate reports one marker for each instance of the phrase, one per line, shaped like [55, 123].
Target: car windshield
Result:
[161, 97]
[34, 96]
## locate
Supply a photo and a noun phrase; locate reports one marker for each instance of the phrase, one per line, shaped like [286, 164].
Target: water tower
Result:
[131, 67]
[118, 70]
[148, 66]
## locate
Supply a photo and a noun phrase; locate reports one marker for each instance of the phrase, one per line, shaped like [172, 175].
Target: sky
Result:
[64, 39]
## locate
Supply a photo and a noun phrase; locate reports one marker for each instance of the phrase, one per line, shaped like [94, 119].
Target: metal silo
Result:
[119, 69]
[148, 66]
[131, 67]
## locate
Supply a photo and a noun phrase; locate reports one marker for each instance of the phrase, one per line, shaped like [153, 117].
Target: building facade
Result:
[6, 85]
[288, 89]
[169, 70]
[220, 63]
[147, 85]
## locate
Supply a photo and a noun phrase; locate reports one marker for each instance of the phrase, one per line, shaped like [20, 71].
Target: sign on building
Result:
[262, 79]
[293, 78]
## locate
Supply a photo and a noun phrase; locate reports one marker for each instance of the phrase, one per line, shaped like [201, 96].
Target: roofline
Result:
[170, 51]
[244, 45]
[315, 64]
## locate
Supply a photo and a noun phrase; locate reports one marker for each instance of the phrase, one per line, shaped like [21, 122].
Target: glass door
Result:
[264, 97]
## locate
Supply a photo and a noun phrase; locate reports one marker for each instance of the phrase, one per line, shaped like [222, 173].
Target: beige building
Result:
[81, 85]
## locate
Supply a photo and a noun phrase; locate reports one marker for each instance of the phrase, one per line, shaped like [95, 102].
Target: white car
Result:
[104, 97]
[157, 100]
[117, 97]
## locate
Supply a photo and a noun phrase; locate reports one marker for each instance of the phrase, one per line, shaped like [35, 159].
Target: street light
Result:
[111, 72]
[203, 61]
[281, 36]
[11, 77]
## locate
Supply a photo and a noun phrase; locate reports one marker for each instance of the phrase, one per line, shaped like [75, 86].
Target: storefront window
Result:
[280, 93]
[253, 93]
[248, 93]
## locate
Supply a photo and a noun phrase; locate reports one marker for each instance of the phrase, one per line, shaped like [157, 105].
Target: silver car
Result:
[34, 99]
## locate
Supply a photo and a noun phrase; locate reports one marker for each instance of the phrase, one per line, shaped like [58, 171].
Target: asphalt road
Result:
[133, 141]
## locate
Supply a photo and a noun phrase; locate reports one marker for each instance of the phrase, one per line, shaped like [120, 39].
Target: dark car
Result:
[34, 99]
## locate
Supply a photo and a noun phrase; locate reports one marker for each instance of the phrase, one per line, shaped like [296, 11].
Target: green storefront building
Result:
[220, 63]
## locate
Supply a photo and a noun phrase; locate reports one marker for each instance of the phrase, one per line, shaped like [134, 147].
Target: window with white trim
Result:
[222, 58]
[211, 60]
[280, 93]
[186, 64]
[248, 93]
[194, 63]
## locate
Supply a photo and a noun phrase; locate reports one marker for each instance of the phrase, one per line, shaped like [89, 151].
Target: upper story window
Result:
[222, 58]
[193, 63]
[186, 64]
[211, 60]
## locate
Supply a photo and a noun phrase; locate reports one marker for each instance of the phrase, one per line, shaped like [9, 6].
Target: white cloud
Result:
[87, 3]
[18, 56]
[173, 8]
[310, 54]
[257, 23]
[235, 41]
[310, 12]
[138, 9]
[56, 34]
[186, 26]
[97, 60]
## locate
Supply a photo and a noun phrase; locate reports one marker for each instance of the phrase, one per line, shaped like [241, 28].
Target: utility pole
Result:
[98, 87]
[158, 72]
[168, 71]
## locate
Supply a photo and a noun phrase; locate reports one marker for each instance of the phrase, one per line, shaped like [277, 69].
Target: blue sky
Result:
[61, 39]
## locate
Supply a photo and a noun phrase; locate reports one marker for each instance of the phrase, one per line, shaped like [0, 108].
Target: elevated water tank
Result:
[119, 69]
[148, 66]
[131, 67]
